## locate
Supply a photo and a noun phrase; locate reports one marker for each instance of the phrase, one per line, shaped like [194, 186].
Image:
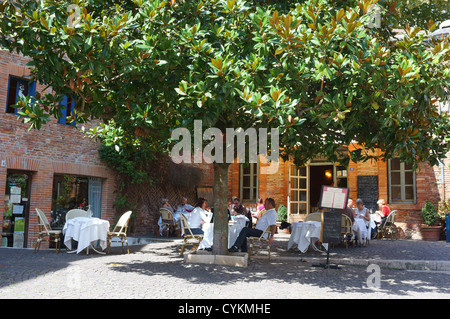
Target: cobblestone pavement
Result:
[155, 270]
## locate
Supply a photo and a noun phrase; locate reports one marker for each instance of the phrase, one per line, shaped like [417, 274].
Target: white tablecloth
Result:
[85, 231]
[234, 228]
[360, 230]
[303, 233]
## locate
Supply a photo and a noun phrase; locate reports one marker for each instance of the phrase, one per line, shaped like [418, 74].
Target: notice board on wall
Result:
[368, 191]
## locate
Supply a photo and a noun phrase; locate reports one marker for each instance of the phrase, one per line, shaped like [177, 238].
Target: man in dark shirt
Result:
[240, 209]
[349, 210]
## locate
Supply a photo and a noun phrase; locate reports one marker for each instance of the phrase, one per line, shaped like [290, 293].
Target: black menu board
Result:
[368, 191]
[331, 227]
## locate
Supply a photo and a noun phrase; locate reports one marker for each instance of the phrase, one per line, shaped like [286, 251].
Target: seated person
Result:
[349, 210]
[269, 219]
[260, 204]
[198, 217]
[165, 204]
[184, 207]
[260, 210]
[239, 209]
[384, 210]
[362, 213]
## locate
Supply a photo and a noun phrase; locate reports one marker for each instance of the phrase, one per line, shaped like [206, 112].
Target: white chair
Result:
[46, 232]
[120, 231]
[76, 212]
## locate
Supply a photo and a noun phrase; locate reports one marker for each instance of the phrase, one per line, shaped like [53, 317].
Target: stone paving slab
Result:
[155, 270]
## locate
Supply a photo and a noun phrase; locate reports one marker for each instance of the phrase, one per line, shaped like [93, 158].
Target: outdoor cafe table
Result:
[234, 228]
[360, 229]
[86, 231]
[304, 234]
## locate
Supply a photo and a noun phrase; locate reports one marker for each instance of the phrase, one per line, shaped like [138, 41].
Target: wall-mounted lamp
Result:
[328, 174]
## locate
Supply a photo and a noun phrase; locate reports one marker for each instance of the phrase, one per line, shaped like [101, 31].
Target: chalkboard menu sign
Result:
[331, 227]
[368, 191]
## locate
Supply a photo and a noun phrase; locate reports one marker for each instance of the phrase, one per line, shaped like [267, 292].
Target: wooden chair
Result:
[388, 230]
[46, 232]
[120, 231]
[263, 239]
[189, 237]
[169, 221]
[346, 229]
[314, 217]
[76, 212]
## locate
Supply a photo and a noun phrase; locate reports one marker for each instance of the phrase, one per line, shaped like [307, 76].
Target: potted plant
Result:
[282, 219]
[430, 229]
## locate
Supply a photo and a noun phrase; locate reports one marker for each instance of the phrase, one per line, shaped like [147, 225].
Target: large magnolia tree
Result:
[324, 78]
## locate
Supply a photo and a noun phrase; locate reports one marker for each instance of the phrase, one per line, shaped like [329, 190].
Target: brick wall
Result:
[429, 186]
[54, 149]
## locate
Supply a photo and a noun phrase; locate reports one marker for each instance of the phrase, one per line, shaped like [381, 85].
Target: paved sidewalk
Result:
[394, 254]
[155, 270]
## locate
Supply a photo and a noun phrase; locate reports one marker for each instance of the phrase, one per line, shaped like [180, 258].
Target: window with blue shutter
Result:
[18, 87]
[68, 116]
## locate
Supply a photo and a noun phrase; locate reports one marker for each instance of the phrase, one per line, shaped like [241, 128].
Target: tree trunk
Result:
[220, 242]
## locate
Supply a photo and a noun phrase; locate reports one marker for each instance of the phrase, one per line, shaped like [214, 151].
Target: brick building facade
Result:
[48, 159]
[299, 188]
[34, 163]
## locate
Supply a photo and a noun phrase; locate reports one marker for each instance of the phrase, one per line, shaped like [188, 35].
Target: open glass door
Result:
[298, 199]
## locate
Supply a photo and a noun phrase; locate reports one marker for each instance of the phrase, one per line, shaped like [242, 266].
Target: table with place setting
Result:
[86, 231]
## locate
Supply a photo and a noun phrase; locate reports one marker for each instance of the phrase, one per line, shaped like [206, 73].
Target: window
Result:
[71, 191]
[402, 182]
[18, 87]
[249, 182]
[67, 113]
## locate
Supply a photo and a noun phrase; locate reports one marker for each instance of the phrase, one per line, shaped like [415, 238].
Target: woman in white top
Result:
[362, 212]
[198, 216]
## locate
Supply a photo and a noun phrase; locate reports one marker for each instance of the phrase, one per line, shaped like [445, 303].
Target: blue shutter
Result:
[62, 119]
[72, 108]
